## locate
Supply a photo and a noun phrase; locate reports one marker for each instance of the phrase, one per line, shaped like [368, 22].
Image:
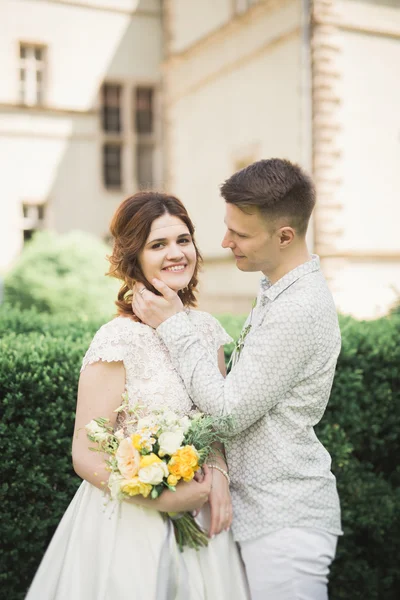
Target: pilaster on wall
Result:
[325, 55]
[166, 17]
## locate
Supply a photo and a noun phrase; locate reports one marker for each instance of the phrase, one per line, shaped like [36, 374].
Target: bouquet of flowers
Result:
[154, 451]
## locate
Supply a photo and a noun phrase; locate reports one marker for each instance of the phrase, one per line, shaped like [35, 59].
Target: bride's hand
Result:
[220, 504]
[189, 496]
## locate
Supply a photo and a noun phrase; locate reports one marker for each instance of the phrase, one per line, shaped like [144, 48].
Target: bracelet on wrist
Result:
[224, 473]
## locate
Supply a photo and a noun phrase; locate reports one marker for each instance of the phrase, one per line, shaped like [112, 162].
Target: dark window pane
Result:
[112, 165]
[22, 51]
[28, 233]
[111, 108]
[144, 110]
[39, 53]
[144, 165]
[111, 120]
[41, 212]
[22, 74]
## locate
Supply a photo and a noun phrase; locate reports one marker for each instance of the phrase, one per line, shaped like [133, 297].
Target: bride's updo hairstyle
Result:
[130, 228]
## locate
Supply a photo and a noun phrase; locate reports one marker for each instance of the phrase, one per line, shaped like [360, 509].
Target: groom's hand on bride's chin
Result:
[154, 310]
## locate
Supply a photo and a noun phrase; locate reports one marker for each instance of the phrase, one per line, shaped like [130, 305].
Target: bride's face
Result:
[169, 253]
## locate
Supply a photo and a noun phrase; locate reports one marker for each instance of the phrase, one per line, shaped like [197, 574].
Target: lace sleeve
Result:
[109, 344]
[211, 330]
[220, 335]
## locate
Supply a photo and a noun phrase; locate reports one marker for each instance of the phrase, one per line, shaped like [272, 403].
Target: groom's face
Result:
[252, 240]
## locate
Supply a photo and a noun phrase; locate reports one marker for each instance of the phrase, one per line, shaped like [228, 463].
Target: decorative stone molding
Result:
[325, 54]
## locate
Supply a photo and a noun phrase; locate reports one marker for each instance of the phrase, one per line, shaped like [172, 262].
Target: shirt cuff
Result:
[175, 328]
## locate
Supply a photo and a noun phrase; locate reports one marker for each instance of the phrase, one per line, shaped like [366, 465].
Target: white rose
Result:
[153, 474]
[170, 418]
[146, 422]
[94, 430]
[184, 423]
[170, 441]
[114, 485]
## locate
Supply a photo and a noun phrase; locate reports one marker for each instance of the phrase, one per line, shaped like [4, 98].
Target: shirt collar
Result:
[272, 291]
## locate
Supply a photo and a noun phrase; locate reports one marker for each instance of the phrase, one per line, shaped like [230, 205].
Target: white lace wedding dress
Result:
[105, 550]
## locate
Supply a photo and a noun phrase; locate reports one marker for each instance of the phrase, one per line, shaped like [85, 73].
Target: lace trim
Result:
[151, 378]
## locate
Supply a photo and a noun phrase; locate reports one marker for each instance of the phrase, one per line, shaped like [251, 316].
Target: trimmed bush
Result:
[40, 357]
[38, 381]
[39, 369]
[63, 274]
[14, 320]
[365, 405]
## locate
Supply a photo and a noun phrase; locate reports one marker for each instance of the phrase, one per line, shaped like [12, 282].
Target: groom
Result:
[286, 507]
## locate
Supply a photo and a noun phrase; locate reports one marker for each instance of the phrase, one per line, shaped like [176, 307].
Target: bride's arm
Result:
[101, 386]
[99, 393]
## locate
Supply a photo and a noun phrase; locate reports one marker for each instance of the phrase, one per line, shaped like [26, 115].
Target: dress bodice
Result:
[151, 379]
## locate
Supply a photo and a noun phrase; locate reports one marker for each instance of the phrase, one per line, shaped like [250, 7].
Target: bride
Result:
[104, 550]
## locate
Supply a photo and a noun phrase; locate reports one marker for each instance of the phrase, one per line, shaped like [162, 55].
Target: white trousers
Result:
[289, 564]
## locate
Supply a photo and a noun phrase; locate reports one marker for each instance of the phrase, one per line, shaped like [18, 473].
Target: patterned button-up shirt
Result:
[276, 393]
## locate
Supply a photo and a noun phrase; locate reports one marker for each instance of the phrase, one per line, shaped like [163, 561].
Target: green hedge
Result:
[63, 274]
[39, 369]
[365, 403]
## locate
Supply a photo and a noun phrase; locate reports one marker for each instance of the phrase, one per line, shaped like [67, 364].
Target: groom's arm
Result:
[272, 361]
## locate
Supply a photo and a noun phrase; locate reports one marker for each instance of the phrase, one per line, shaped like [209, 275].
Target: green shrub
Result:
[39, 369]
[365, 403]
[14, 320]
[38, 382]
[62, 274]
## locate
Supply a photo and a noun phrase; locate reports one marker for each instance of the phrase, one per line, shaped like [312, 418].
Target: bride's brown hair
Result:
[130, 228]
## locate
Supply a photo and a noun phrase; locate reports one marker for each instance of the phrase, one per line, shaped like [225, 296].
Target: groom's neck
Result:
[290, 259]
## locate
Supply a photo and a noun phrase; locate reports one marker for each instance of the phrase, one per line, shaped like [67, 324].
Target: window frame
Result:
[31, 90]
[128, 138]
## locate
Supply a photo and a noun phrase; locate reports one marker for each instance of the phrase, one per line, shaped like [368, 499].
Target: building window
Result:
[111, 108]
[144, 110]
[145, 140]
[31, 74]
[112, 165]
[34, 217]
[128, 136]
[112, 126]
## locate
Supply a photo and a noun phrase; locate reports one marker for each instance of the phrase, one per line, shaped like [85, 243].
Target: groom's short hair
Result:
[277, 188]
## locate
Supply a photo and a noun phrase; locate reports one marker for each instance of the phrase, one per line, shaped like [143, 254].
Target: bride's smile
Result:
[169, 253]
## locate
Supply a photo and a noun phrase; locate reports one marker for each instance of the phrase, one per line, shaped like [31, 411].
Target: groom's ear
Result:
[286, 236]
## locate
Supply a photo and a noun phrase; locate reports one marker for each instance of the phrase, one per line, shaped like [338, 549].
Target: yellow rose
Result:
[135, 487]
[184, 463]
[172, 480]
[149, 459]
[187, 473]
[136, 441]
[128, 459]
